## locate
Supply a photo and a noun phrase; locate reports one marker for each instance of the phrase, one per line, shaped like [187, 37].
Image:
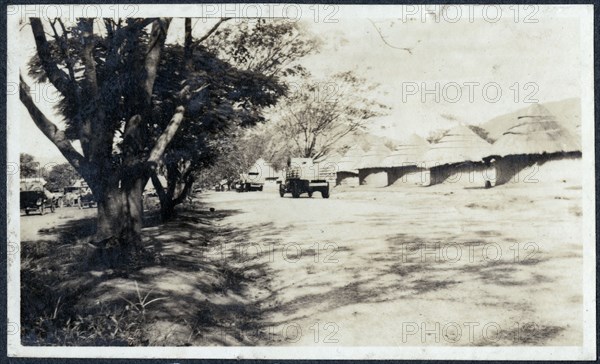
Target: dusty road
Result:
[397, 267]
[35, 226]
[424, 266]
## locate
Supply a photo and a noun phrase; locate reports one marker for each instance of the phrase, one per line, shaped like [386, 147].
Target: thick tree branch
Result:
[57, 77]
[61, 40]
[160, 190]
[52, 132]
[89, 73]
[157, 41]
[166, 137]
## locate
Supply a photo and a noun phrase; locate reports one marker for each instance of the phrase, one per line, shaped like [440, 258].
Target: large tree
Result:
[318, 114]
[125, 93]
[105, 72]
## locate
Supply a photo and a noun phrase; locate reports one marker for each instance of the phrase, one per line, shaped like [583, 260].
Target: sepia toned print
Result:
[230, 181]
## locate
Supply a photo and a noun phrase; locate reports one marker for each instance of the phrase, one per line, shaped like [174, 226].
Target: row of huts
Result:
[460, 156]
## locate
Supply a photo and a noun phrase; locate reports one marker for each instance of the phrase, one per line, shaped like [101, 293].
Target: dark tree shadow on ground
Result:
[202, 284]
[73, 294]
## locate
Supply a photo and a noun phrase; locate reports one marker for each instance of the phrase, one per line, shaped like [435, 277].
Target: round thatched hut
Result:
[458, 158]
[404, 165]
[370, 170]
[347, 173]
[537, 139]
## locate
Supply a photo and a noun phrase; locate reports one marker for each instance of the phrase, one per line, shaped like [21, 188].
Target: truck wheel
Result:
[325, 194]
[295, 191]
[281, 192]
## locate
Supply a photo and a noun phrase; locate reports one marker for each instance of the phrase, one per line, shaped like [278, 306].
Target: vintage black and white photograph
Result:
[293, 181]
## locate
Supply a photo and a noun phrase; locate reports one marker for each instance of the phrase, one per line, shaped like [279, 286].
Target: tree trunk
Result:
[120, 216]
[178, 188]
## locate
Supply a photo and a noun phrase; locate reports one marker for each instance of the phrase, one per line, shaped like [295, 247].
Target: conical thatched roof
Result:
[460, 144]
[349, 162]
[408, 152]
[537, 132]
[373, 157]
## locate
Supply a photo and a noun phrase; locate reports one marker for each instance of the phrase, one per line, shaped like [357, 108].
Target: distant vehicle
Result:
[251, 181]
[302, 176]
[87, 200]
[58, 198]
[34, 197]
[71, 196]
[239, 186]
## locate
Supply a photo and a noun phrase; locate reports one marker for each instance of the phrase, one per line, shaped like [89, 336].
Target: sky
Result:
[468, 71]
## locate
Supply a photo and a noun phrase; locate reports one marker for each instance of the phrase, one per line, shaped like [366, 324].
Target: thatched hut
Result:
[404, 165]
[370, 170]
[537, 139]
[458, 158]
[347, 173]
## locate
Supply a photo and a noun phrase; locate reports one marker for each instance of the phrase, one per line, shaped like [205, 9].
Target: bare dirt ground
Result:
[398, 266]
[36, 226]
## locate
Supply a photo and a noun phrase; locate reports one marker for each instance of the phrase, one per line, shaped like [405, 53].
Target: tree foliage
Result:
[248, 63]
[138, 104]
[28, 165]
[60, 176]
[320, 113]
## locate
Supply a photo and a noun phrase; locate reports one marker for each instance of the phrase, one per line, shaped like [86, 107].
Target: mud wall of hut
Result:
[373, 177]
[347, 179]
[525, 168]
[469, 174]
[406, 176]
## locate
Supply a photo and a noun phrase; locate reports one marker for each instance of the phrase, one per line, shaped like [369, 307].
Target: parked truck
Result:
[35, 197]
[302, 176]
[255, 178]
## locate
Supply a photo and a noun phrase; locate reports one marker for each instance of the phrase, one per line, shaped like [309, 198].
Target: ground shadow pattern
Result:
[199, 286]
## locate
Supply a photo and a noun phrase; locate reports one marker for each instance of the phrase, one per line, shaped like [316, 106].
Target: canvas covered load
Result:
[302, 168]
[32, 184]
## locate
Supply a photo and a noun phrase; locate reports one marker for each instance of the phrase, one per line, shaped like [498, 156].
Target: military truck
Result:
[254, 179]
[302, 176]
